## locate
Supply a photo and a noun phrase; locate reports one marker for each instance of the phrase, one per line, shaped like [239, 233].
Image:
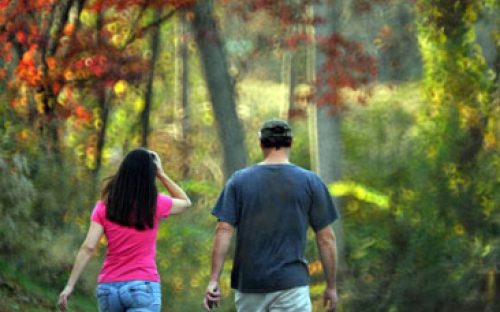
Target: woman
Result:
[128, 215]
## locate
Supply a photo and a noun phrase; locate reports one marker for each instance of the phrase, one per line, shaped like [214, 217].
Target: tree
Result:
[220, 86]
[155, 38]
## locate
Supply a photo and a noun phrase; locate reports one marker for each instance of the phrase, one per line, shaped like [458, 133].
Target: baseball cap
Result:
[275, 128]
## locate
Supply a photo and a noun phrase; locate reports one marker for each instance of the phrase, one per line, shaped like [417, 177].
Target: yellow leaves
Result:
[459, 229]
[455, 178]
[195, 282]
[469, 116]
[470, 14]
[431, 152]
[103, 241]
[40, 106]
[315, 267]
[178, 284]
[139, 104]
[117, 40]
[87, 18]
[120, 87]
[111, 27]
[360, 192]
[492, 131]
[361, 251]
[486, 250]
[490, 141]
[408, 195]
[488, 206]
[98, 123]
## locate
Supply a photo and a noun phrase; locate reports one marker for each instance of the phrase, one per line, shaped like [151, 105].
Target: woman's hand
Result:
[63, 298]
[157, 162]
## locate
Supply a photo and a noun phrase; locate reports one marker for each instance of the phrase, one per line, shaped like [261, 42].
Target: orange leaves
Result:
[26, 69]
[28, 57]
[69, 29]
[21, 37]
[51, 63]
[82, 113]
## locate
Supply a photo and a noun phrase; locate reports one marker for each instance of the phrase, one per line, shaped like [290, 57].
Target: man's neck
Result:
[276, 157]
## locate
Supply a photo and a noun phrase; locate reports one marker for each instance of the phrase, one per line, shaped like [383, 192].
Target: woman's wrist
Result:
[162, 175]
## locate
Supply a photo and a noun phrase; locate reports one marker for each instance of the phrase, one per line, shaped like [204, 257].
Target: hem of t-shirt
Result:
[269, 290]
[129, 278]
[224, 219]
[324, 225]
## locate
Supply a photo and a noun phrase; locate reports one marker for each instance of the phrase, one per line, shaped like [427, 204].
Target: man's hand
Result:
[212, 296]
[330, 299]
[63, 298]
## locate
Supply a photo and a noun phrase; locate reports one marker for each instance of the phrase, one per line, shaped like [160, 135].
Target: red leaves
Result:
[364, 6]
[293, 41]
[21, 37]
[4, 4]
[95, 64]
[346, 66]
[126, 4]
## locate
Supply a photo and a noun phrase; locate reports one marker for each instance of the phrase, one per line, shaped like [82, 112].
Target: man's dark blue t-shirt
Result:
[272, 206]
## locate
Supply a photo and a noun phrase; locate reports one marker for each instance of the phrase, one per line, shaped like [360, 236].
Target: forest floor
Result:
[19, 292]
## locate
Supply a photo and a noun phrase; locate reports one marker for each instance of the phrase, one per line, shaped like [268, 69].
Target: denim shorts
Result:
[130, 296]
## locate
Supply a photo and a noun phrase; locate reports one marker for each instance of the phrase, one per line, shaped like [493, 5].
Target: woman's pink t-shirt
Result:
[131, 253]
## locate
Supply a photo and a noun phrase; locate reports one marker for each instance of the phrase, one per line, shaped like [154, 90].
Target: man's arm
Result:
[325, 238]
[223, 233]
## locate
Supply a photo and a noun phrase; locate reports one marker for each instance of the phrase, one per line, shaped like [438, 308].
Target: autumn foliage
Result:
[53, 52]
[347, 65]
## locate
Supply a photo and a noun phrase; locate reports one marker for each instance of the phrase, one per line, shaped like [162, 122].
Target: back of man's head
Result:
[275, 133]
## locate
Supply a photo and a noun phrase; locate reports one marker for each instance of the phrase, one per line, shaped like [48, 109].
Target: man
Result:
[271, 204]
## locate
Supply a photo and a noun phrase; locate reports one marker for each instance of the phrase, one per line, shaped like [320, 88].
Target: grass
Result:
[22, 292]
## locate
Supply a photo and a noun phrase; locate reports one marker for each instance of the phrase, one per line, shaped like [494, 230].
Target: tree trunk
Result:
[220, 86]
[185, 124]
[101, 134]
[102, 99]
[155, 42]
[301, 67]
[325, 142]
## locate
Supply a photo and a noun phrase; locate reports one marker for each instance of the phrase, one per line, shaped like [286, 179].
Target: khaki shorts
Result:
[289, 300]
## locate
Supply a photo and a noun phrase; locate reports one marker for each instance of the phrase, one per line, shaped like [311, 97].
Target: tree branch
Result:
[142, 30]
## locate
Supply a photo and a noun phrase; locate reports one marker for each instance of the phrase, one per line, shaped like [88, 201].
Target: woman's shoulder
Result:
[99, 212]
[100, 204]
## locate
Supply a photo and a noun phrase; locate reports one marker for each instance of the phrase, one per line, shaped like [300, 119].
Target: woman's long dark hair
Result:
[130, 195]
